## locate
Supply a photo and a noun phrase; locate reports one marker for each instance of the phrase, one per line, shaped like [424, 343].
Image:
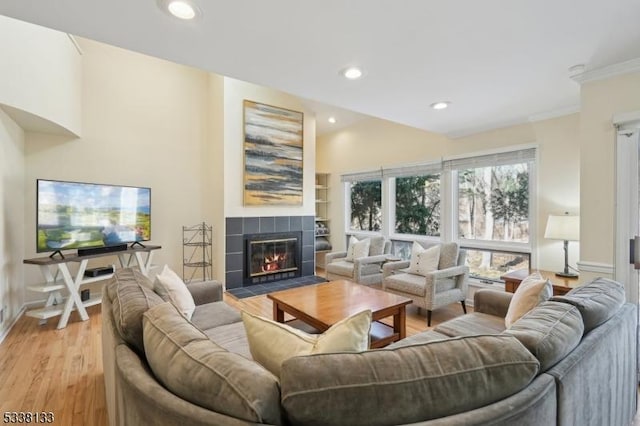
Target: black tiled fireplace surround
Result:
[236, 227]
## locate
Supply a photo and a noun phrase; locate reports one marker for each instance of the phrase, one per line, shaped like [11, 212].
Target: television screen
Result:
[74, 215]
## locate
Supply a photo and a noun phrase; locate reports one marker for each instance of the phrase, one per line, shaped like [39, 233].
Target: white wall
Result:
[12, 219]
[235, 92]
[145, 123]
[601, 100]
[375, 143]
[41, 73]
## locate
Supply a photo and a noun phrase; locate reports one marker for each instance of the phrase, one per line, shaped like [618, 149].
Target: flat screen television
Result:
[76, 215]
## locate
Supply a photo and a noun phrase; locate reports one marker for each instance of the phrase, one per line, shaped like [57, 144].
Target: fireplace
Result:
[272, 257]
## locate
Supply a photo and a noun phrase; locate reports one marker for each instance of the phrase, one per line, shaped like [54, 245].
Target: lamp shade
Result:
[563, 227]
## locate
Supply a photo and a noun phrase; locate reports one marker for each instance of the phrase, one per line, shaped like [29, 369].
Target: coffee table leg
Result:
[400, 322]
[278, 314]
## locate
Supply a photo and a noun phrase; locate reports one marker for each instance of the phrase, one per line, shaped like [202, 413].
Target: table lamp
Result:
[564, 227]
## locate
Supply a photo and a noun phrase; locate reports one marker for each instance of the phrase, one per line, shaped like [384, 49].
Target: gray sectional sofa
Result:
[570, 361]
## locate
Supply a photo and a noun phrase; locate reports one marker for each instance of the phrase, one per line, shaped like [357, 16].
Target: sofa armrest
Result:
[330, 257]
[492, 302]
[205, 292]
[454, 271]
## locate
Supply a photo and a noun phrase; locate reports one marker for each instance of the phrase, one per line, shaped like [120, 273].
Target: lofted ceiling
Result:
[498, 62]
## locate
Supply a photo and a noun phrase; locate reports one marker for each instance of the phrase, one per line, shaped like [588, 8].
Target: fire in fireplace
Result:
[272, 256]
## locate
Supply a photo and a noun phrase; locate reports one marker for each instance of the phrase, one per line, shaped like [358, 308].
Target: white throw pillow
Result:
[357, 249]
[532, 291]
[172, 289]
[424, 260]
[271, 343]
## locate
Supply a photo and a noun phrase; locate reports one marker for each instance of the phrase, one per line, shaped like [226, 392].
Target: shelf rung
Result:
[47, 287]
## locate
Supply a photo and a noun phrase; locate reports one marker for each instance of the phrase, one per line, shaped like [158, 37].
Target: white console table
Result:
[58, 276]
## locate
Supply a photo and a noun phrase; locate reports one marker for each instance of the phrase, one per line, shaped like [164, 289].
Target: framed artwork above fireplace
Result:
[273, 148]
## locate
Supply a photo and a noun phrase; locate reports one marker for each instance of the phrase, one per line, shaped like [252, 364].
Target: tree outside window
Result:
[418, 205]
[366, 205]
[494, 203]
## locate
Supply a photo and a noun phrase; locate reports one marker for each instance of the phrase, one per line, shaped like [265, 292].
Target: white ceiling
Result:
[499, 62]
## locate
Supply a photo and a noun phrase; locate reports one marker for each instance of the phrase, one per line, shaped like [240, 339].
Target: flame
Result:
[272, 263]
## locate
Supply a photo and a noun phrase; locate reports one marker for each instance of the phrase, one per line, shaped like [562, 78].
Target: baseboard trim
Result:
[596, 267]
[6, 332]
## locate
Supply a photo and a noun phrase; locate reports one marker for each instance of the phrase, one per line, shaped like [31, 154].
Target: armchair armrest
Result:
[370, 259]
[454, 271]
[492, 302]
[390, 268]
[330, 257]
[205, 292]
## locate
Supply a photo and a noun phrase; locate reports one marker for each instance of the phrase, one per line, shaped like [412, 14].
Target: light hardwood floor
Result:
[44, 369]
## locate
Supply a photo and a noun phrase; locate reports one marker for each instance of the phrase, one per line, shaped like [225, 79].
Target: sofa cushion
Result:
[532, 291]
[231, 337]
[419, 339]
[406, 283]
[212, 315]
[424, 260]
[472, 324]
[191, 366]
[597, 301]
[404, 385]
[131, 296]
[376, 248]
[550, 331]
[271, 343]
[448, 255]
[172, 289]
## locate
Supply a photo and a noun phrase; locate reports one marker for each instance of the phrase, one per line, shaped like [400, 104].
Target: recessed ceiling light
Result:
[182, 9]
[332, 120]
[440, 105]
[352, 73]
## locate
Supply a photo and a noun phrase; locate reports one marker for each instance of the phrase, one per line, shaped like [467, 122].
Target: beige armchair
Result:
[364, 270]
[446, 285]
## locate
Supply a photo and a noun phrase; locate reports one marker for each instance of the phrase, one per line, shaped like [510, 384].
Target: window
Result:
[418, 205]
[493, 203]
[366, 205]
[483, 202]
[490, 265]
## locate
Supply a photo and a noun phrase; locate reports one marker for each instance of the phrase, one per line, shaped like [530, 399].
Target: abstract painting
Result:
[272, 155]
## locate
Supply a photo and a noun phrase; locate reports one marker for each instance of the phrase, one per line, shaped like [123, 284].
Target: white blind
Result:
[414, 170]
[362, 176]
[497, 159]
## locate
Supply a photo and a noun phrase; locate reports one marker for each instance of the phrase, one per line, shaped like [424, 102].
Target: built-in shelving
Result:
[322, 229]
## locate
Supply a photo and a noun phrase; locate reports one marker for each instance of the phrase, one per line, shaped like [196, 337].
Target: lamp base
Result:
[566, 275]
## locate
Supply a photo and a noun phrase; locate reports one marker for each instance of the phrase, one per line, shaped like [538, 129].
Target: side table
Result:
[561, 285]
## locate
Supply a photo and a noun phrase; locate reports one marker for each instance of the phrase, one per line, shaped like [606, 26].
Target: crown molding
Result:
[607, 72]
[554, 113]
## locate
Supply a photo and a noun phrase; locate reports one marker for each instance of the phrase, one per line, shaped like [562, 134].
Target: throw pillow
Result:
[532, 291]
[172, 289]
[424, 260]
[352, 241]
[271, 343]
[357, 249]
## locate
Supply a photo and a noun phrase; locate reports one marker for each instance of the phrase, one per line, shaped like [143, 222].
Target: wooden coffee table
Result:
[322, 305]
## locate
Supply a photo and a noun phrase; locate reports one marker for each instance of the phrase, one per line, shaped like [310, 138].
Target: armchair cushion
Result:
[448, 255]
[345, 268]
[424, 260]
[377, 246]
[406, 283]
